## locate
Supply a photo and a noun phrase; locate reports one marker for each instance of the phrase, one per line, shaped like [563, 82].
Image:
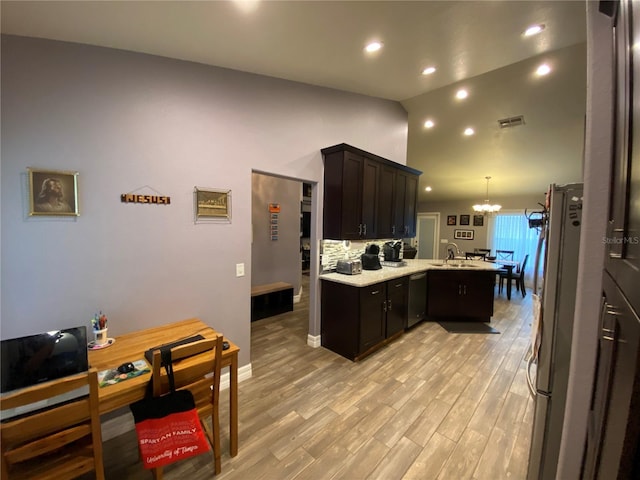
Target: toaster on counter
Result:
[349, 267]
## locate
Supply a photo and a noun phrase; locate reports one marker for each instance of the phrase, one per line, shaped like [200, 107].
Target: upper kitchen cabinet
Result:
[404, 205]
[367, 196]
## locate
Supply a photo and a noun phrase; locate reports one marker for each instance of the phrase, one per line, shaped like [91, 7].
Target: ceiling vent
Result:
[511, 121]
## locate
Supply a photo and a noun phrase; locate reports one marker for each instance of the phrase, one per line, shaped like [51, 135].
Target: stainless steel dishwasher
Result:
[417, 298]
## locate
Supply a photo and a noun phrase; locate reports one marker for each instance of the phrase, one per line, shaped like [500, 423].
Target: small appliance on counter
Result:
[391, 251]
[370, 258]
[349, 267]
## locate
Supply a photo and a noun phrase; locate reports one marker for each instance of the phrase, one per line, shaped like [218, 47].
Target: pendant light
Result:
[486, 207]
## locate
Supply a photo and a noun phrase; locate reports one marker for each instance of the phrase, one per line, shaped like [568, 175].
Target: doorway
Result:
[427, 235]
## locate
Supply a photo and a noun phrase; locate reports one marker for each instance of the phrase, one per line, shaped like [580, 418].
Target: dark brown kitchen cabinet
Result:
[613, 433]
[350, 196]
[358, 320]
[623, 235]
[404, 205]
[460, 293]
[367, 196]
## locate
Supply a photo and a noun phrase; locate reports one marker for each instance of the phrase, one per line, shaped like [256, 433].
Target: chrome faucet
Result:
[451, 253]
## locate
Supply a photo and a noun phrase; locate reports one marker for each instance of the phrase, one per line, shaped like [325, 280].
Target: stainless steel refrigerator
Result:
[554, 305]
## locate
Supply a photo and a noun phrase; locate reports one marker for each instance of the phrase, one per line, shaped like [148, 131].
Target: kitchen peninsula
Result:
[361, 313]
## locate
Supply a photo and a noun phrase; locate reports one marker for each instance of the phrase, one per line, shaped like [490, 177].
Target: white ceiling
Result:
[475, 44]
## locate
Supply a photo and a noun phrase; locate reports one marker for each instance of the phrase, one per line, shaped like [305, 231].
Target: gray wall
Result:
[279, 260]
[464, 207]
[124, 121]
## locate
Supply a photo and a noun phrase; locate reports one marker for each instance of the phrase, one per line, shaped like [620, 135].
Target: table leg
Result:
[509, 276]
[233, 406]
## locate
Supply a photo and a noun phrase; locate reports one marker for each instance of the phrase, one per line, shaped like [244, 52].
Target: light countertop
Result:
[370, 277]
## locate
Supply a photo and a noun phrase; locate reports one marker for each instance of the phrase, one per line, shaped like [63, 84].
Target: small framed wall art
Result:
[53, 192]
[478, 220]
[212, 204]
[464, 219]
[463, 234]
[451, 219]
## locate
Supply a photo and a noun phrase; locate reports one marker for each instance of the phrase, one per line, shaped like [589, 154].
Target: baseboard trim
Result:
[298, 297]
[314, 340]
[120, 421]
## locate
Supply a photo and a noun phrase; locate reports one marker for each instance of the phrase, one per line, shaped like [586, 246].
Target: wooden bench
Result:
[271, 299]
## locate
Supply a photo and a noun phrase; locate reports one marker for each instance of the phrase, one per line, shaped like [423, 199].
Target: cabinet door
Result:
[373, 301]
[386, 186]
[623, 235]
[477, 293]
[369, 200]
[410, 205]
[613, 435]
[397, 305]
[352, 191]
[444, 291]
[399, 204]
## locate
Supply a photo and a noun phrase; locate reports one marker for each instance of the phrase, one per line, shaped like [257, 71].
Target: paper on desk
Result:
[113, 376]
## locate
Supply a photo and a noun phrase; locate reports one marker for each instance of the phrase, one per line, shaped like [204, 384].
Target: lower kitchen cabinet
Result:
[358, 320]
[461, 293]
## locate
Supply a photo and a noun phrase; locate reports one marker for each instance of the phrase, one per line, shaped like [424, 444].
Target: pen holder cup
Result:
[101, 337]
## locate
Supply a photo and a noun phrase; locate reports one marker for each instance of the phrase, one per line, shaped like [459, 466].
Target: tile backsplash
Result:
[333, 250]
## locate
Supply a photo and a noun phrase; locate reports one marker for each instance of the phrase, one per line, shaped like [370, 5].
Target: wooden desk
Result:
[131, 347]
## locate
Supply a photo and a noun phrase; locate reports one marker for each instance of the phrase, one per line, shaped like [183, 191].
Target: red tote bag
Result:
[168, 427]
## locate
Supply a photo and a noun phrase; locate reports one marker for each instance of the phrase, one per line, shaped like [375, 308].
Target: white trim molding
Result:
[314, 340]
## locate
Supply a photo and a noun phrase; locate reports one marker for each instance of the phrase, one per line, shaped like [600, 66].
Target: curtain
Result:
[510, 231]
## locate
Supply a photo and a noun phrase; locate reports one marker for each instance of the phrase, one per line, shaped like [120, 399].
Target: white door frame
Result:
[436, 231]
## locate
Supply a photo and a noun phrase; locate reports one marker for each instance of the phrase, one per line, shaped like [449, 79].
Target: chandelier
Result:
[486, 207]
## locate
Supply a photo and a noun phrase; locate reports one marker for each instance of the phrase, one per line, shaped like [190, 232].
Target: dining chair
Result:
[486, 251]
[518, 277]
[202, 379]
[474, 255]
[59, 442]
[504, 255]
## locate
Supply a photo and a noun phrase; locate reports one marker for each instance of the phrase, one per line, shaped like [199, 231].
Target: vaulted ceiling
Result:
[476, 45]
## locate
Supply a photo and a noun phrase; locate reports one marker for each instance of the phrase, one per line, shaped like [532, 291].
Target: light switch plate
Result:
[239, 269]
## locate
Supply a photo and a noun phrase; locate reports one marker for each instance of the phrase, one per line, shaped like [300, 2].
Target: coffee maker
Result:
[391, 251]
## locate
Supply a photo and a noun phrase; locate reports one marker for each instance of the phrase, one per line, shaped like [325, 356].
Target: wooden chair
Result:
[486, 251]
[196, 377]
[474, 255]
[517, 276]
[504, 255]
[60, 442]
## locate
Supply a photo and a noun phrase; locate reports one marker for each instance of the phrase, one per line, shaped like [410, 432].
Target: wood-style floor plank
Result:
[430, 405]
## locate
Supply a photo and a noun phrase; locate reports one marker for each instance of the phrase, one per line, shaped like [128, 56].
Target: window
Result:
[511, 232]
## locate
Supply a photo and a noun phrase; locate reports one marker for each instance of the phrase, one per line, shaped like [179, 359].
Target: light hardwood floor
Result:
[431, 405]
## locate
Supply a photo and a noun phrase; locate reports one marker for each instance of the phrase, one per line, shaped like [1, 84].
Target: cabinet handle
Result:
[398, 285]
[393, 229]
[384, 306]
[464, 290]
[390, 305]
[375, 292]
[360, 229]
[406, 229]
[615, 255]
[459, 289]
[365, 229]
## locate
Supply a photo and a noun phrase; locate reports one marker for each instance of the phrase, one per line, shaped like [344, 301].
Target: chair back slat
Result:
[504, 255]
[52, 442]
[197, 368]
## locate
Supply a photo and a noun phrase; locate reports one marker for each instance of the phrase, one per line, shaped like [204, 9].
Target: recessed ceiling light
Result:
[428, 70]
[533, 30]
[429, 124]
[462, 93]
[469, 131]
[373, 47]
[543, 69]
[427, 189]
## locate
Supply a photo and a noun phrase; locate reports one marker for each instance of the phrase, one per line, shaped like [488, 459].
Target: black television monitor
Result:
[34, 359]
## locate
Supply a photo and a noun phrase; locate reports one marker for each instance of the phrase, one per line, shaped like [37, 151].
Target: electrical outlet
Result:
[239, 269]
